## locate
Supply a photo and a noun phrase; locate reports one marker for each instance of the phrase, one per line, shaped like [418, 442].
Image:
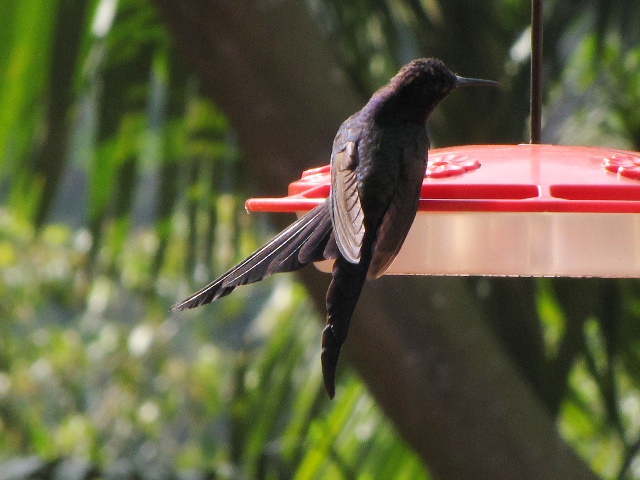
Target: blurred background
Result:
[132, 131]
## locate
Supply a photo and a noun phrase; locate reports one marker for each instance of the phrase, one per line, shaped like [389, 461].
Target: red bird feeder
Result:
[512, 210]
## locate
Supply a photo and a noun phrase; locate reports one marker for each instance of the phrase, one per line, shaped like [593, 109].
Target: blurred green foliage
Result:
[121, 187]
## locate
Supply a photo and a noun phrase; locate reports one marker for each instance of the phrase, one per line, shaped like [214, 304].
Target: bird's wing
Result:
[304, 241]
[402, 210]
[346, 210]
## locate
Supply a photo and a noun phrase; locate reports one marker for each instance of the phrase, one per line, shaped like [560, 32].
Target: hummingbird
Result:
[378, 163]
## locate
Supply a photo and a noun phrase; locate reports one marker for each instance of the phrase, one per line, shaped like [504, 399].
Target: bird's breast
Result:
[379, 178]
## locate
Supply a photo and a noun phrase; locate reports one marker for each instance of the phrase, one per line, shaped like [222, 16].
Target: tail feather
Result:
[342, 296]
[331, 250]
[312, 232]
[313, 239]
[319, 247]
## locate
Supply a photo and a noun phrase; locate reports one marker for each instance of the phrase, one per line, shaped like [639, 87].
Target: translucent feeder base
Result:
[532, 244]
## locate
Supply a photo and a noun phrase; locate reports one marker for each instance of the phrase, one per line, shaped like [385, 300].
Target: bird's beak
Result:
[475, 82]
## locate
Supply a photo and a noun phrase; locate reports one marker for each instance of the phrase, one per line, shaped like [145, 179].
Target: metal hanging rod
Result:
[536, 71]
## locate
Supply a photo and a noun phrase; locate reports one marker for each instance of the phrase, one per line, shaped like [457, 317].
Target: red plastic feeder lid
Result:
[529, 210]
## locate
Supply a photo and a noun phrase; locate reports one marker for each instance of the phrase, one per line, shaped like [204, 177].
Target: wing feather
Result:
[346, 209]
[310, 233]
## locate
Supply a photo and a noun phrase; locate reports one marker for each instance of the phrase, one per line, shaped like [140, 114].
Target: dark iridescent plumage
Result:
[377, 165]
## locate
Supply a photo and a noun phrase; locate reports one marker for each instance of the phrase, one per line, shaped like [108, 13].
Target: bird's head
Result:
[422, 84]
